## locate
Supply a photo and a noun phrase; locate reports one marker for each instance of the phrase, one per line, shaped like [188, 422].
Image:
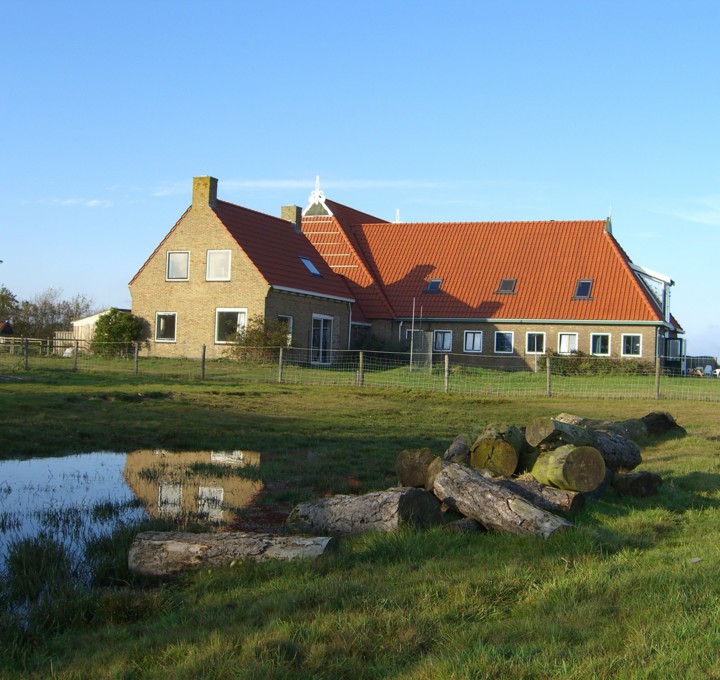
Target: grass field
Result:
[631, 592]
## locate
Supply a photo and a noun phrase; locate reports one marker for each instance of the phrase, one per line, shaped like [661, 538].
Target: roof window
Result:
[506, 287]
[310, 266]
[433, 286]
[583, 289]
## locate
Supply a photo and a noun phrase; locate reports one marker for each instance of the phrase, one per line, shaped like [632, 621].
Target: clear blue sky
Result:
[456, 110]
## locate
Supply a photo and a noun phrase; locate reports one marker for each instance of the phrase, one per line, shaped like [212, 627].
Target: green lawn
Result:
[632, 592]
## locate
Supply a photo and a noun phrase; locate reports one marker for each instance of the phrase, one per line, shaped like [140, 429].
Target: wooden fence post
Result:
[657, 377]
[202, 364]
[549, 375]
[75, 355]
[280, 365]
[137, 357]
[360, 377]
[26, 363]
[447, 373]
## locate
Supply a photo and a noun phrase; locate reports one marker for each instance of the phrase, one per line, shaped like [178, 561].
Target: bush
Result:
[579, 363]
[258, 340]
[116, 332]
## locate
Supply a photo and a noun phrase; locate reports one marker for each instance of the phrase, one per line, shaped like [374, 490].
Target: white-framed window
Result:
[169, 498]
[178, 265]
[442, 341]
[218, 265]
[321, 340]
[567, 343]
[600, 344]
[535, 343]
[631, 345]
[165, 326]
[210, 502]
[434, 286]
[310, 266]
[583, 289]
[503, 342]
[288, 322]
[228, 323]
[473, 341]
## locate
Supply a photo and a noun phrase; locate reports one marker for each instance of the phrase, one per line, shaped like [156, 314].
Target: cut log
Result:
[412, 466]
[158, 553]
[641, 484]
[575, 468]
[459, 450]
[652, 424]
[550, 433]
[661, 422]
[498, 449]
[388, 510]
[496, 508]
[545, 497]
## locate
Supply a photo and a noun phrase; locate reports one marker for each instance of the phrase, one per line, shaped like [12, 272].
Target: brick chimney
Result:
[292, 213]
[204, 192]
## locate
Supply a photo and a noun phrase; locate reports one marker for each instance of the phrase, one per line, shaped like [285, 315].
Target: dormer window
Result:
[583, 289]
[433, 286]
[506, 287]
[310, 266]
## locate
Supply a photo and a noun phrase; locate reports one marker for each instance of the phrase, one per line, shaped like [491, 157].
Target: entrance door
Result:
[321, 339]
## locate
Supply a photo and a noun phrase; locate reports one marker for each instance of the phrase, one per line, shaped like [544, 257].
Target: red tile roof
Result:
[389, 266]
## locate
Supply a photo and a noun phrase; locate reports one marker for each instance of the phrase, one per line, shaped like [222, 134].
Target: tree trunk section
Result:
[459, 450]
[498, 449]
[545, 497]
[574, 468]
[617, 451]
[157, 553]
[496, 508]
[384, 511]
[640, 484]
[653, 424]
[412, 466]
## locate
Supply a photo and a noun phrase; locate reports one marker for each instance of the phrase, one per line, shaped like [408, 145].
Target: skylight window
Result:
[310, 266]
[433, 286]
[506, 287]
[583, 289]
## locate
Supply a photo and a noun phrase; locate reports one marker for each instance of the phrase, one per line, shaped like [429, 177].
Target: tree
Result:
[8, 304]
[47, 312]
[115, 332]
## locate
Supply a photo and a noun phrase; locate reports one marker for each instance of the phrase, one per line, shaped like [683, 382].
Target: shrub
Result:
[258, 340]
[116, 332]
[579, 363]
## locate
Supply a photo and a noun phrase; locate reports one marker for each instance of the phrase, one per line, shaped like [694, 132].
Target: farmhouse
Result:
[221, 265]
[492, 291]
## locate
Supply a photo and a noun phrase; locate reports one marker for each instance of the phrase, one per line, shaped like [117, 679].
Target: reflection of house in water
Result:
[206, 483]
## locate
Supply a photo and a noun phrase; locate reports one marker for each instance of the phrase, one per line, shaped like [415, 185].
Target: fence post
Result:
[549, 375]
[26, 364]
[75, 355]
[137, 357]
[360, 377]
[202, 364]
[280, 365]
[657, 377]
[447, 373]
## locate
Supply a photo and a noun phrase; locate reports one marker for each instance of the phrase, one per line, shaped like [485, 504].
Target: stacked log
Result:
[498, 449]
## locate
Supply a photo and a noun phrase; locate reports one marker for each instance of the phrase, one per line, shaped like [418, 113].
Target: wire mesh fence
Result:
[566, 376]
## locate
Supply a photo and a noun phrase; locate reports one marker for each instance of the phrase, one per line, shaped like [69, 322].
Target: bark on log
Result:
[158, 553]
[641, 484]
[545, 497]
[412, 466]
[496, 508]
[388, 510]
[459, 450]
[466, 525]
[575, 468]
[652, 424]
[498, 449]
[550, 433]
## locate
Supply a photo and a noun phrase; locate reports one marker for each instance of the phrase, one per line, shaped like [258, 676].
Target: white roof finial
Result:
[397, 216]
[317, 196]
[316, 202]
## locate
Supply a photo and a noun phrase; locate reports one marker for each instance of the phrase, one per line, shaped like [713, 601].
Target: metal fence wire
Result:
[544, 376]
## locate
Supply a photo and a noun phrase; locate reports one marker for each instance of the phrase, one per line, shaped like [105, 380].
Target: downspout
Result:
[400, 331]
[349, 340]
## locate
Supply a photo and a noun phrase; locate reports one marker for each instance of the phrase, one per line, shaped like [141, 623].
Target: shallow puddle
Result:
[75, 498]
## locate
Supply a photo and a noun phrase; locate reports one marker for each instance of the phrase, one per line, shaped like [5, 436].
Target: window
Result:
[178, 265]
[165, 326]
[473, 341]
[310, 266]
[506, 287]
[218, 265]
[600, 344]
[632, 345]
[442, 341]
[210, 502]
[567, 343]
[169, 498]
[287, 321]
[583, 289]
[535, 343]
[433, 286]
[228, 322]
[415, 338]
[503, 342]
[321, 341]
